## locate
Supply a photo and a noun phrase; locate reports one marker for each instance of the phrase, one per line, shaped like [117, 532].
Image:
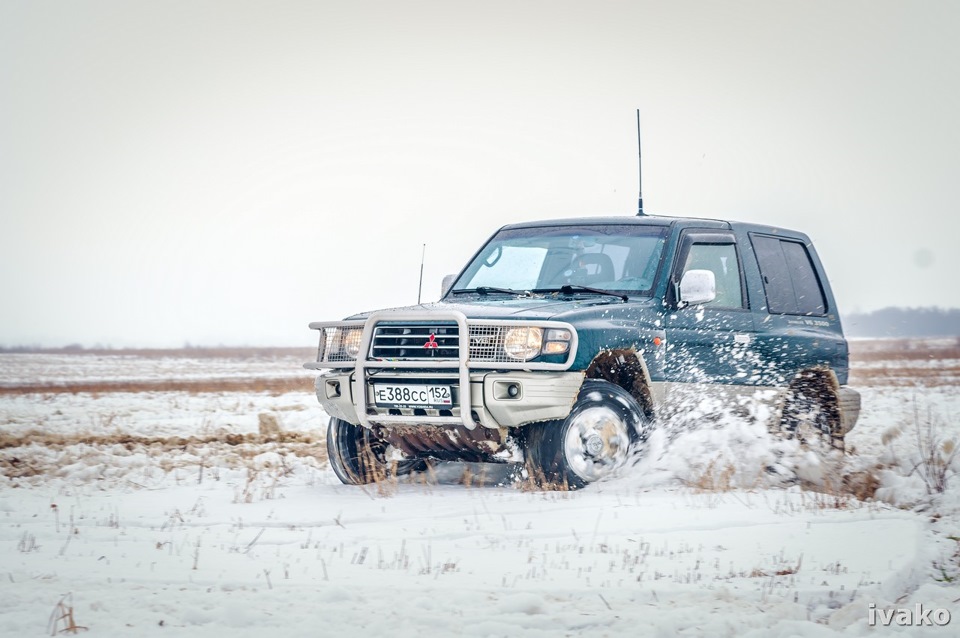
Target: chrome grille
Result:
[486, 343]
[420, 341]
[406, 342]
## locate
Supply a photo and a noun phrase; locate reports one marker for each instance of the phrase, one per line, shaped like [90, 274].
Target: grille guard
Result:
[463, 364]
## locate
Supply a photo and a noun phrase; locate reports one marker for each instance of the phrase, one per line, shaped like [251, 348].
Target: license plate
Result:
[412, 396]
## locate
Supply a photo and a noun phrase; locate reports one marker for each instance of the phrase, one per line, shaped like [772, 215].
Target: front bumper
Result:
[540, 396]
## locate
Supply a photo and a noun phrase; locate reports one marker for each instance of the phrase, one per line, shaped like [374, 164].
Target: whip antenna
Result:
[639, 170]
[423, 256]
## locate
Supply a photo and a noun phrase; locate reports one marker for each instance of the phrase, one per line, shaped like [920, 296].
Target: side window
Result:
[806, 286]
[776, 278]
[722, 260]
[789, 280]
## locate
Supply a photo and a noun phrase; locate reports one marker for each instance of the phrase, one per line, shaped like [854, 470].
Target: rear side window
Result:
[790, 281]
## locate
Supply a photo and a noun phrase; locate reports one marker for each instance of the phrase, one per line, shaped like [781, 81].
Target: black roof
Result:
[661, 220]
[631, 220]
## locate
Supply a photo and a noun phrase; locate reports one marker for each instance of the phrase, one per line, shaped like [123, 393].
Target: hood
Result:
[548, 307]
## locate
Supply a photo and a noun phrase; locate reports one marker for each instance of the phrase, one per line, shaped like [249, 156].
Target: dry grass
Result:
[903, 350]
[925, 377]
[382, 476]
[936, 456]
[228, 449]
[861, 485]
[130, 441]
[536, 481]
[717, 476]
[63, 615]
[192, 386]
[948, 569]
[785, 571]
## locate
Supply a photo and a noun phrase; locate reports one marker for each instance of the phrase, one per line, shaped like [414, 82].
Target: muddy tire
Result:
[591, 443]
[812, 419]
[357, 457]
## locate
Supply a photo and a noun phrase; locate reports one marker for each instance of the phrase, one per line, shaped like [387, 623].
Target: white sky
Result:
[226, 172]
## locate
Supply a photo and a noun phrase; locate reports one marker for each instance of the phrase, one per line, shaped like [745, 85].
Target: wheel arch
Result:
[624, 368]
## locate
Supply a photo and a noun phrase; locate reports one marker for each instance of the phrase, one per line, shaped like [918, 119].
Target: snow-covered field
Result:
[196, 512]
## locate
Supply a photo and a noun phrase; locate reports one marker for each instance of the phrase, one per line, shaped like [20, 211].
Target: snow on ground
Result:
[195, 514]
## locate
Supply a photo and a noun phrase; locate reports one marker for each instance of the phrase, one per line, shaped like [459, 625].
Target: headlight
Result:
[523, 343]
[349, 339]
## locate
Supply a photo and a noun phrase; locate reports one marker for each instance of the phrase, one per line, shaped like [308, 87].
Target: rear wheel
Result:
[591, 443]
[810, 416]
[357, 457]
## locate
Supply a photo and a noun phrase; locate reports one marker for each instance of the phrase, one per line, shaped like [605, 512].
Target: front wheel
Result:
[357, 457]
[591, 443]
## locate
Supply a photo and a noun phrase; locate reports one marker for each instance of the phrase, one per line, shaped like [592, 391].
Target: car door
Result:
[709, 343]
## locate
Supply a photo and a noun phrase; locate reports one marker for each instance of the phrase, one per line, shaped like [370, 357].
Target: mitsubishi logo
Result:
[432, 343]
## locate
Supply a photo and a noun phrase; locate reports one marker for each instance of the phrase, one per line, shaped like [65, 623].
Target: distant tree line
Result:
[903, 322]
[68, 349]
[195, 352]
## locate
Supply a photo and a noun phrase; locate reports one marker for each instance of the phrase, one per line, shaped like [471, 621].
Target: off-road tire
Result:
[357, 457]
[812, 420]
[566, 454]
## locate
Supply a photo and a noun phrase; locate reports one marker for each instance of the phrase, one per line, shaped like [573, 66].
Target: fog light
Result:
[333, 389]
[507, 390]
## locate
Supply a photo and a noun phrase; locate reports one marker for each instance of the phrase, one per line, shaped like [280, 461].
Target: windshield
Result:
[616, 258]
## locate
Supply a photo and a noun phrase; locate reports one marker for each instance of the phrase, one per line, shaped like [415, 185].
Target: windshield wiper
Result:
[483, 290]
[569, 289]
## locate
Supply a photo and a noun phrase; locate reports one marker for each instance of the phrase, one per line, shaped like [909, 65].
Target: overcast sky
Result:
[226, 172]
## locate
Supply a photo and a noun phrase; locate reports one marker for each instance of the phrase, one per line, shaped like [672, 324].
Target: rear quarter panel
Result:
[787, 343]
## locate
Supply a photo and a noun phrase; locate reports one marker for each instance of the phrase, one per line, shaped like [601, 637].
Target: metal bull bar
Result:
[462, 364]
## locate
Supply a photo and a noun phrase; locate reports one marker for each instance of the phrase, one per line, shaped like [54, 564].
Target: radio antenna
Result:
[423, 256]
[639, 170]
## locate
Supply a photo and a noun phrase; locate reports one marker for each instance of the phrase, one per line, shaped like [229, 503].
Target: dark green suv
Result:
[562, 343]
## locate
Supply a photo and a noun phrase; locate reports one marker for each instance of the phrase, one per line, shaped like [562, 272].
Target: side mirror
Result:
[447, 285]
[697, 287]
